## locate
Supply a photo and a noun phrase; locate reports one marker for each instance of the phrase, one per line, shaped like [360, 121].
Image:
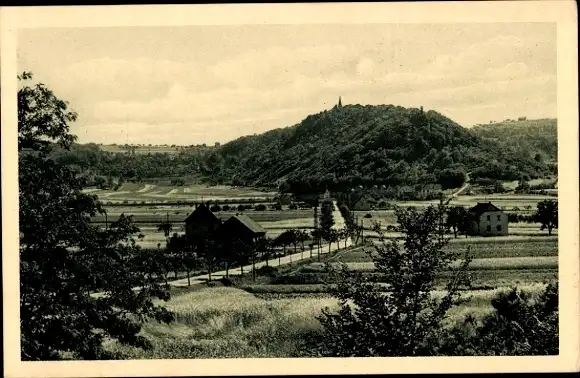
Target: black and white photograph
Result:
[291, 190]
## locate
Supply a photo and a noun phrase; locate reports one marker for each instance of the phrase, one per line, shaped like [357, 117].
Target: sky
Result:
[204, 84]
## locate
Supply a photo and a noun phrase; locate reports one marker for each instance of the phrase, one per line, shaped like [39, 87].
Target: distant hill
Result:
[527, 137]
[338, 149]
[368, 145]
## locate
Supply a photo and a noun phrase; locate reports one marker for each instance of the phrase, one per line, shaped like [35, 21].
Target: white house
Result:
[488, 220]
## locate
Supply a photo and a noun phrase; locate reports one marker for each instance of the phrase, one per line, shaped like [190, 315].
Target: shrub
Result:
[520, 325]
[404, 320]
[226, 207]
[215, 208]
[227, 281]
[368, 215]
[260, 207]
[267, 270]
[293, 206]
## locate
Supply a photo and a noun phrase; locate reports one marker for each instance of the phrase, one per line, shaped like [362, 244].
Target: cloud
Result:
[276, 86]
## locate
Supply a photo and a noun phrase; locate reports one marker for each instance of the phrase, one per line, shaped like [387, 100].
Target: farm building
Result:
[203, 219]
[489, 220]
[243, 227]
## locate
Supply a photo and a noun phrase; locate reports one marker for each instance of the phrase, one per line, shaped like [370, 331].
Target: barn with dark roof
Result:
[202, 219]
[241, 226]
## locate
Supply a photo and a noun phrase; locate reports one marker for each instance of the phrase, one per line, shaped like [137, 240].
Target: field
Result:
[133, 193]
[150, 204]
[144, 149]
[277, 317]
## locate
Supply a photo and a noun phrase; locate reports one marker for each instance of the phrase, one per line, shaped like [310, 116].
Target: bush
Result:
[293, 206]
[215, 208]
[520, 325]
[298, 279]
[268, 271]
[227, 281]
[368, 215]
[260, 207]
[226, 207]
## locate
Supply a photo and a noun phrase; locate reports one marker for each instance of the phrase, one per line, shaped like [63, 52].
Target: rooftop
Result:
[483, 207]
[249, 223]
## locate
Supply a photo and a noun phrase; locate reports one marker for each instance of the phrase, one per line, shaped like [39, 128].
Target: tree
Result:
[293, 238]
[169, 258]
[547, 215]
[450, 178]
[331, 237]
[401, 318]
[266, 246]
[302, 236]
[64, 259]
[317, 235]
[456, 219]
[283, 240]
[326, 220]
[206, 246]
[185, 254]
[243, 250]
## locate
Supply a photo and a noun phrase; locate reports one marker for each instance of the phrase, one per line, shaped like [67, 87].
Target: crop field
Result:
[146, 193]
[503, 201]
[480, 248]
[498, 263]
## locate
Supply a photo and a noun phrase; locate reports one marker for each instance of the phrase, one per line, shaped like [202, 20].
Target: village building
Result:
[488, 220]
[202, 219]
[242, 227]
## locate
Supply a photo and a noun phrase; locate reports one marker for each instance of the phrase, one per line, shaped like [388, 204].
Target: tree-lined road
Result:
[288, 259]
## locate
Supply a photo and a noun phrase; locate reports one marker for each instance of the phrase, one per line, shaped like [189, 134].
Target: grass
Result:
[232, 323]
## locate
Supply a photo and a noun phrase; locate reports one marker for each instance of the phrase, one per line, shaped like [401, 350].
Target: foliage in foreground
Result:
[63, 258]
[407, 319]
[520, 325]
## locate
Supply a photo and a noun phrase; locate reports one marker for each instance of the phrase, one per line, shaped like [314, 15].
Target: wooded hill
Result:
[532, 137]
[370, 145]
[342, 148]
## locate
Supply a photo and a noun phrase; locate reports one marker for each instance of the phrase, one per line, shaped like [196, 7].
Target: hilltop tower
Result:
[339, 103]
